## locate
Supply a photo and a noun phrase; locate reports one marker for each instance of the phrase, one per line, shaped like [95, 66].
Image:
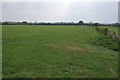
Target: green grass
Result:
[114, 29]
[107, 42]
[31, 51]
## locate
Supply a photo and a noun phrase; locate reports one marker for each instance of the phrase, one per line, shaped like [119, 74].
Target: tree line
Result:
[58, 23]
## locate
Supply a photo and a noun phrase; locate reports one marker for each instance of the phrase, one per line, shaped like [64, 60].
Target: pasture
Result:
[54, 51]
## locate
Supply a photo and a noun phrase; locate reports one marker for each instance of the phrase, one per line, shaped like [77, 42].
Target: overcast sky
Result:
[103, 12]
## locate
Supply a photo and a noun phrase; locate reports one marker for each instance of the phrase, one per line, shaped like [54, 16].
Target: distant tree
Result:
[80, 22]
[96, 24]
[24, 22]
[117, 24]
[5, 23]
[90, 23]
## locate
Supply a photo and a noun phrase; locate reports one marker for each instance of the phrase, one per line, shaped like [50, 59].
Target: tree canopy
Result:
[81, 22]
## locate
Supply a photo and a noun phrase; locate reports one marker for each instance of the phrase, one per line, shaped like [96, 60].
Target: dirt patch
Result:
[73, 48]
[113, 72]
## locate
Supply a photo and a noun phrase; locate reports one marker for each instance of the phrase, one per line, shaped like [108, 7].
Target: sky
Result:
[119, 12]
[60, 11]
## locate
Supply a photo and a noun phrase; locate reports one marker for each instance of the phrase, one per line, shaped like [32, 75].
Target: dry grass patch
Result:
[73, 48]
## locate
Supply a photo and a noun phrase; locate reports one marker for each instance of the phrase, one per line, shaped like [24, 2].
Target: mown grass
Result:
[31, 51]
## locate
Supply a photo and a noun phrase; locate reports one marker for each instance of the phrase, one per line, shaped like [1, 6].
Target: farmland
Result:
[54, 51]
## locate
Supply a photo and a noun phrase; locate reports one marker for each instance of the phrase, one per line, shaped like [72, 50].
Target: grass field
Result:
[31, 51]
